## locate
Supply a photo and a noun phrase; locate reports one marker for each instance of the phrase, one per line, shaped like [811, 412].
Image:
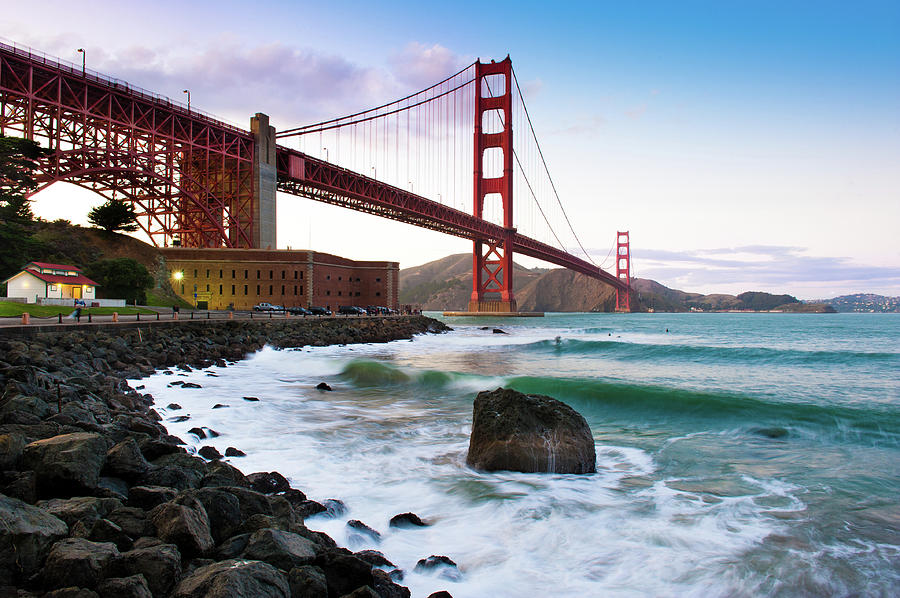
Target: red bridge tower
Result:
[623, 271]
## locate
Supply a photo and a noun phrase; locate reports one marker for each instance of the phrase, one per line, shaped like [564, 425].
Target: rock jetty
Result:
[529, 433]
[98, 500]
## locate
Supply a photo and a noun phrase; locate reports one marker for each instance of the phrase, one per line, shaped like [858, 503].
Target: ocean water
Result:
[737, 454]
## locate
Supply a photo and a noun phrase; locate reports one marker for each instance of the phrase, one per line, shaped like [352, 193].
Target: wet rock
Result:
[134, 586]
[364, 530]
[173, 406]
[21, 485]
[191, 385]
[71, 592]
[66, 465]
[103, 530]
[147, 497]
[385, 586]
[344, 572]
[212, 433]
[160, 565]
[175, 383]
[334, 507]
[282, 549]
[375, 558]
[307, 581]
[444, 566]
[233, 452]
[223, 510]
[407, 520]
[198, 432]
[154, 449]
[232, 548]
[220, 406]
[440, 594]
[234, 579]
[209, 452]
[132, 520]
[126, 460]
[183, 522]
[26, 535]
[498, 331]
[363, 592]
[179, 418]
[268, 483]
[322, 386]
[77, 562]
[251, 399]
[529, 433]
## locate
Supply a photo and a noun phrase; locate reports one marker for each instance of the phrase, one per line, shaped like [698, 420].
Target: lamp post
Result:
[83, 57]
[326, 153]
[188, 92]
[375, 171]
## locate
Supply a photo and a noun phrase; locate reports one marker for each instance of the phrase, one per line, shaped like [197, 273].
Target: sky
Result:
[744, 145]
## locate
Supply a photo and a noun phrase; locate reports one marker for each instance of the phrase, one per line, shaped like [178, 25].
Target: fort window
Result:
[295, 289]
[182, 289]
[257, 290]
[232, 289]
[339, 293]
[220, 274]
[339, 277]
[245, 289]
[282, 289]
[207, 273]
[246, 274]
[195, 274]
[301, 276]
[378, 293]
[207, 288]
[377, 280]
[258, 275]
[270, 290]
[328, 277]
[220, 289]
[282, 275]
[357, 279]
[271, 274]
[357, 293]
[232, 274]
[295, 275]
[328, 293]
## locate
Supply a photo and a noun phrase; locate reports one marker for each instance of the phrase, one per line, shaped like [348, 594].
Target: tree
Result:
[121, 278]
[18, 161]
[114, 215]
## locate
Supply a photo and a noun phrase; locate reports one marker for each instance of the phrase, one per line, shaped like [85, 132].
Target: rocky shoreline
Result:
[98, 500]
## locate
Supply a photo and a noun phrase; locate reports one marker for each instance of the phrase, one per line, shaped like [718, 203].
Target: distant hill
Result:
[446, 284]
[863, 302]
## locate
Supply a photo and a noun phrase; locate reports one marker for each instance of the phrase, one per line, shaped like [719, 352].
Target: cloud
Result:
[585, 126]
[421, 66]
[759, 267]
[637, 112]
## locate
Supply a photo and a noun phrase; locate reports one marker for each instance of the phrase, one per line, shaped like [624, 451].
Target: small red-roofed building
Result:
[40, 280]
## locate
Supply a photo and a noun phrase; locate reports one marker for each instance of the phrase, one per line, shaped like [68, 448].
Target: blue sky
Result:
[746, 145]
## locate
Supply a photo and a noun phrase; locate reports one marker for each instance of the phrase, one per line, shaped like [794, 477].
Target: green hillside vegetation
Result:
[764, 301]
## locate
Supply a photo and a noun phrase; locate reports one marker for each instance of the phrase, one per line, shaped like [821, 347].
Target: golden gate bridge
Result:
[203, 183]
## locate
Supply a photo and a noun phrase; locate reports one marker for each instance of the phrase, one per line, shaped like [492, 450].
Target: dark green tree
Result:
[114, 215]
[18, 161]
[121, 278]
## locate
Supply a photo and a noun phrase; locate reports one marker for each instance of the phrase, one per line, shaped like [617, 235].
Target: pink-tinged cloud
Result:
[420, 66]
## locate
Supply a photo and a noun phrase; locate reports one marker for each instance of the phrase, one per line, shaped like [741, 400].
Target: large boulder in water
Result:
[529, 433]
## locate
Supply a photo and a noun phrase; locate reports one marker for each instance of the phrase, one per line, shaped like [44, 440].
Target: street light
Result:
[178, 275]
[326, 153]
[83, 57]
[189, 98]
[375, 170]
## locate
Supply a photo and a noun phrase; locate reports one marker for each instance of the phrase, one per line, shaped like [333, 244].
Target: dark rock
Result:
[104, 530]
[154, 449]
[26, 535]
[11, 447]
[232, 548]
[365, 530]
[110, 487]
[183, 522]
[191, 385]
[498, 331]
[385, 586]
[132, 520]
[445, 567]
[307, 581]
[66, 465]
[81, 508]
[126, 460]
[344, 572]
[251, 399]
[21, 485]
[220, 406]
[308, 508]
[179, 418]
[209, 452]
[173, 406]
[529, 433]
[134, 586]
[251, 502]
[198, 432]
[77, 562]
[363, 592]
[223, 510]
[233, 452]
[234, 579]
[224, 474]
[334, 507]
[375, 558]
[212, 433]
[407, 520]
[71, 592]
[160, 565]
[176, 383]
[322, 386]
[440, 594]
[147, 497]
[282, 549]
[268, 483]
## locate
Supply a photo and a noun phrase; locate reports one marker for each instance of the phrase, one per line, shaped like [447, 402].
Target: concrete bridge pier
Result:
[264, 182]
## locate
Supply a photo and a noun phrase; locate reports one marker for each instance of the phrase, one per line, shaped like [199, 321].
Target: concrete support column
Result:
[264, 181]
[309, 277]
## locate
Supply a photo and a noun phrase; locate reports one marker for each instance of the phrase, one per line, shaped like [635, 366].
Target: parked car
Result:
[319, 311]
[299, 311]
[351, 310]
[267, 307]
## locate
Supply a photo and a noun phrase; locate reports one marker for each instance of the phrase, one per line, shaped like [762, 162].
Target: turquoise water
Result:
[738, 454]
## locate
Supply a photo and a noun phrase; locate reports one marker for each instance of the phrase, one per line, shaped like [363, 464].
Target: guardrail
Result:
[27, 319]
